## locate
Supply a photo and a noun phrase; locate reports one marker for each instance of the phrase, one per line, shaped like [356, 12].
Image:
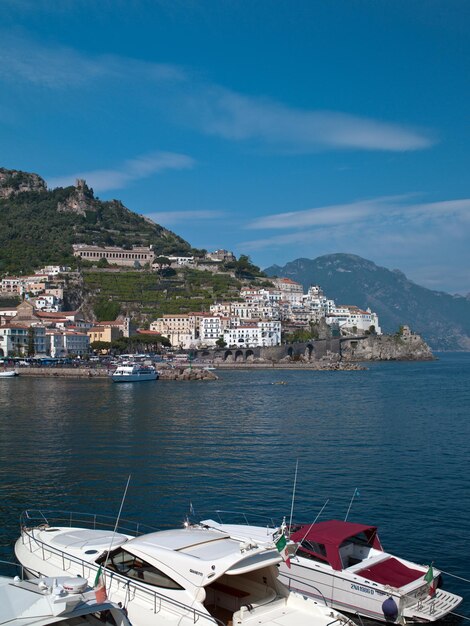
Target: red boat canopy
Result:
[324, 539]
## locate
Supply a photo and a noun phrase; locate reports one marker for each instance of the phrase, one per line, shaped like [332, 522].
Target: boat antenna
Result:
[356, 493]
[293, 495]
[117, 521]
[310, 527]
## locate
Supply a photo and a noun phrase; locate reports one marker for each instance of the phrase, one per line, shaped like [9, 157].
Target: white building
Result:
[211, 329]
[64, 343]
[253, 334]
[352, 320]
[54, 270]
[46, 302]
[15, 340]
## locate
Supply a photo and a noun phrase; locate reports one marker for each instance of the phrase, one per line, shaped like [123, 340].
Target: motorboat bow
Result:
[63, 600]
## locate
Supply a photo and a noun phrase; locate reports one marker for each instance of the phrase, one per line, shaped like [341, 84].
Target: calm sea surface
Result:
[398, 432]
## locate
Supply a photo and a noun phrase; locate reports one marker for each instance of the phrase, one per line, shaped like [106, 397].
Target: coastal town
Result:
[259, 317]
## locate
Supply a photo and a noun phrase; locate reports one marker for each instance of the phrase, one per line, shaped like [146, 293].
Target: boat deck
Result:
[390, 572]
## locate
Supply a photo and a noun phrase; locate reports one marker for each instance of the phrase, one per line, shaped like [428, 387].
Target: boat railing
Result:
[89, 570]
[246, 517]
[8, 568]
[291, 579]
[36, 517]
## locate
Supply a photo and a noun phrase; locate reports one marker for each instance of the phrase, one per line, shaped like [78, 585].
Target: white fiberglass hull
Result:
[354, 594]
[155, 606]
[350, 592]
[133, 378]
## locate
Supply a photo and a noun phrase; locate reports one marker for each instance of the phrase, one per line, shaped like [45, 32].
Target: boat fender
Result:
[439, 581]
[390, 610]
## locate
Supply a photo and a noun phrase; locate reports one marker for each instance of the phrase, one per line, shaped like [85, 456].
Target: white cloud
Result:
[227, 114]
[59, 67]
[178, 217]
[134, 169]
[383, 208]
[209, 108]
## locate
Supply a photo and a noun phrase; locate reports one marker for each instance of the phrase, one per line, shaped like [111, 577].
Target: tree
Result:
[221, 343]
[161, 262]
[31, 351]
[103, 262]
[106, 310]
[100, 346]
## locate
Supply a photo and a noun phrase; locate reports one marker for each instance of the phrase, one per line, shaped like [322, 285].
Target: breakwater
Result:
[165, 373]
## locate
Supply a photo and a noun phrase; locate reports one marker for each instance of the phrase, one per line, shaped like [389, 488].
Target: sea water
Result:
[396, 435]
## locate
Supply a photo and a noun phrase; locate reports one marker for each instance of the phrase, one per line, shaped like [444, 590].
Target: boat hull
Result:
[39, 553]
[134, 378]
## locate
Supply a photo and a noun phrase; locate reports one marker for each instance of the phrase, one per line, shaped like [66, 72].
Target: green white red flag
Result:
[281, 545]
[429, 578]
[100, 587]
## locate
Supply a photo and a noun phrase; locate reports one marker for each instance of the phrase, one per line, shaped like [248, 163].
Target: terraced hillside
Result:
[146, 295]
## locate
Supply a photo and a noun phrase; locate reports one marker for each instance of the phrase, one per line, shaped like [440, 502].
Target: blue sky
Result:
[271, 128]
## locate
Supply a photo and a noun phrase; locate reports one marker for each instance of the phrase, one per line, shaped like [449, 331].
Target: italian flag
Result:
[281, 545]
[429, 578]
[100, 587]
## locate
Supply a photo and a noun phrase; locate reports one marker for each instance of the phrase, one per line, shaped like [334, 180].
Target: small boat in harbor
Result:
[182, 576]
[63, 600]
[344, 564]
[8, 373]
[134, 372]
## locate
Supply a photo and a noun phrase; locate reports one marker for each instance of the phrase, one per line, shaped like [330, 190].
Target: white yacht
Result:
[179, 577]
[69, 601]
[134, 372]
[344, 564]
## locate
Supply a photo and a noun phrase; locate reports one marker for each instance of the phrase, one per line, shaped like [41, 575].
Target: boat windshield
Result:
[313, 550]
[360, 539]
[133, 567]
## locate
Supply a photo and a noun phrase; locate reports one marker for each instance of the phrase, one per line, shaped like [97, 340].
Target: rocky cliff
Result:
[14, 182]
[406, 346]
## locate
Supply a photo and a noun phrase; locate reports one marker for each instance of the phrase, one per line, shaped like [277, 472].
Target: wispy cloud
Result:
[59, 67]
[383, 208]
[168, 218]
[428, 238]
[209, 108]
[234, 116]
[130, 171]
[387, 227]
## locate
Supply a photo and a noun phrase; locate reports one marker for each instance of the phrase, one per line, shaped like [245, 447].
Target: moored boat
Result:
[344, 564]
[8, 373]
[65, 600]
[179, 576]
[133, 373]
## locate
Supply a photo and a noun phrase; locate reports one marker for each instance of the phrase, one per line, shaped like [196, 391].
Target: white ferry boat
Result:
[134, 372]
[182, 577]
[344, 564]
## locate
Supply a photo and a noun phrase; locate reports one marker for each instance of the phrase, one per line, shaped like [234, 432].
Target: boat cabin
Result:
[353, 547]
[340, 544]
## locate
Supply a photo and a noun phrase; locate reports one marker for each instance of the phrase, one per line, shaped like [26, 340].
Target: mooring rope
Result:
[454, 576]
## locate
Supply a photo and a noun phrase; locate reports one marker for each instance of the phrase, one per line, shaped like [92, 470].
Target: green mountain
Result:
[39, 226]
[442, 319]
